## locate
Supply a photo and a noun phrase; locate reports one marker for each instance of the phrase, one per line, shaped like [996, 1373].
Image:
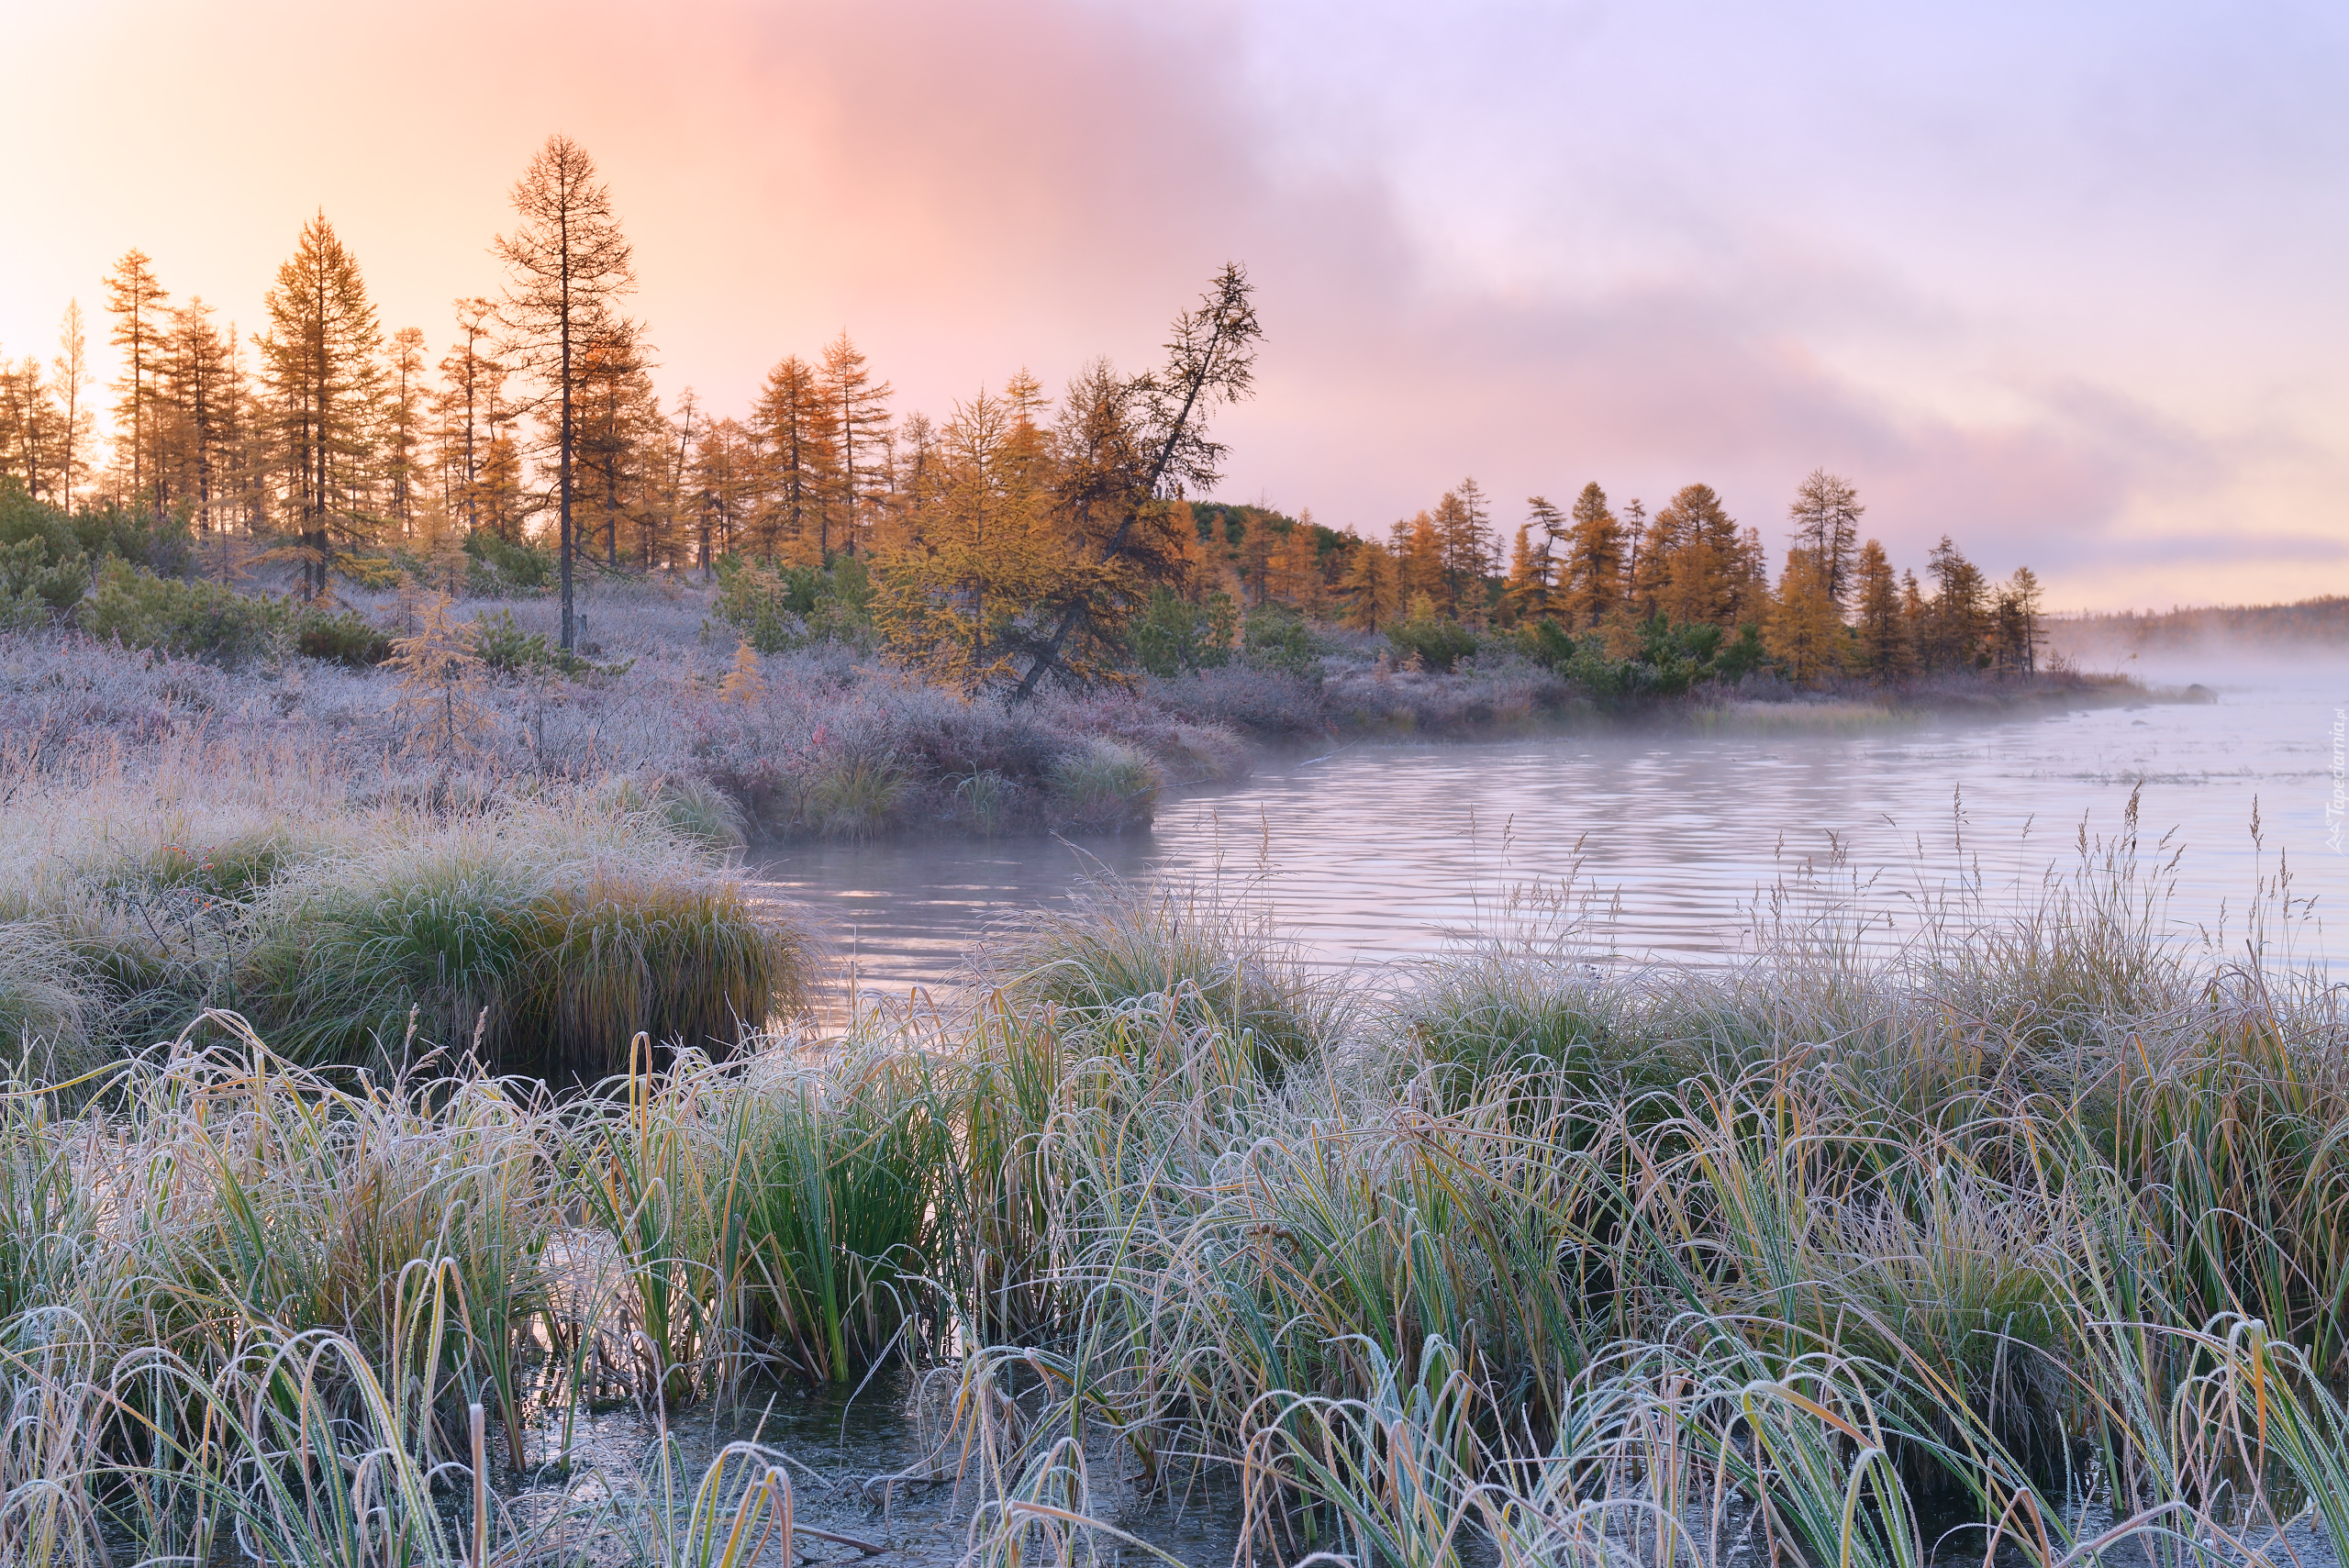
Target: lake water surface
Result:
[1672, 842]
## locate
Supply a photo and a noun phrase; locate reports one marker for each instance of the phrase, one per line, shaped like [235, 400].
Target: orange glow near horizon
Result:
[2064, 291]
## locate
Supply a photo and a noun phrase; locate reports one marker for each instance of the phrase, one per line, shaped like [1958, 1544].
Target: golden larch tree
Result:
[1802, 629]
[321, 362]
[134, 299]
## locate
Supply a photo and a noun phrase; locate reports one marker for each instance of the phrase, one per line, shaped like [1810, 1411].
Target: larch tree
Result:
[1826, 516]
[1101, 452]
[1419, 557]
[1556, 548]
[794, 424]
[471, 380]
[1957, 622]
[321, 360]
[616, 410]
[949, 601]
[2015, 619]
[1883, 649]
[1704, 569]
[685, 516]
[1369, 586]
[29, 424]
[860, 413]
[194, 421]
[1210, 361]
[408, 397]
[568, 265]
[134, 299]
[1525, 587]
[724, 487]
[70, 379]
[1638, 594]
[1802, 628]
[1593, 586]
[1464, 524]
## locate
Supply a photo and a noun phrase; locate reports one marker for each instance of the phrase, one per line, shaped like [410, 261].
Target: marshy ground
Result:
[2020, 1243]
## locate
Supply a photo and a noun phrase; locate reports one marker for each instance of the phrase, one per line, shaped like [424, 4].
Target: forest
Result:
[1021, 540]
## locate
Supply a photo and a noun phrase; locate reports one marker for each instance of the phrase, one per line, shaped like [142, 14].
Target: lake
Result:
[1668, 844]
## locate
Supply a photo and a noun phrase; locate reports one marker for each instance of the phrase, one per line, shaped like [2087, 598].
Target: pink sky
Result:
[2061, 281]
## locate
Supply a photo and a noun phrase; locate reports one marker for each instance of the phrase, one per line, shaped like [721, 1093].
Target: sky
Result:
[2062, 281]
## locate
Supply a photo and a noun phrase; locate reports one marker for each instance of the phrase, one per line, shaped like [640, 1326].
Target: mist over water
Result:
[1671, 844]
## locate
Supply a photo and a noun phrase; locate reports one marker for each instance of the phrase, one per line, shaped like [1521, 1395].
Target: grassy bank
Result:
[364, 916]
[2023, 1242]
[820, 739]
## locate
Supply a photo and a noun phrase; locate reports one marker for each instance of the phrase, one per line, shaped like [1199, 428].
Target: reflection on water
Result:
[857, 1463]
[1375, 851]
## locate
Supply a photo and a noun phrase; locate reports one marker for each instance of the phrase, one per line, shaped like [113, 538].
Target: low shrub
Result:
[1436, 642]
[502, 568]
[777, 608]
[1278, 638]
[135, 608]
[1173, 635]
[36, 583]
[345, 638]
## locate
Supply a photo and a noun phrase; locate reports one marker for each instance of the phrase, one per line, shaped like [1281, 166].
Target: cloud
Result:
[1968, 266]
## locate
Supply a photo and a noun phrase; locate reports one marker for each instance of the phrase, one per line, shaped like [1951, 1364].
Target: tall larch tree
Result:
[1957, 622]
[1101, 454]
[949, 602]
[1369, 586]
[568, 265]
[1884, 649]
[70, 379]
[193, 420]
[1593, 584]
[1801, 629]
[860, 412]
[1557, 546]
[321, 355]
[793, 421]
[1418, 558]
[1210, 361]
[1526, 584]
[1464, 524]
[1702, 567]
[407, 402]
[2015, 617]
[1826, 515]
[615, 411]
[471, 380]
[724, 488]
[134, 299]
[29, 421]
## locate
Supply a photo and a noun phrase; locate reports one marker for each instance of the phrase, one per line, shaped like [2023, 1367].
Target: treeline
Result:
[1024, 537]
[2323, 619]
[1013, 541]
[1686, 588]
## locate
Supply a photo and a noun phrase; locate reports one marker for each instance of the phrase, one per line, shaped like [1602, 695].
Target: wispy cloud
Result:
[2059, 283]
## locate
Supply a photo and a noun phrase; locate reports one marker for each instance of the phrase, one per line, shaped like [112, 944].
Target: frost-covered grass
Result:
[2020, 1243]
[365, 914]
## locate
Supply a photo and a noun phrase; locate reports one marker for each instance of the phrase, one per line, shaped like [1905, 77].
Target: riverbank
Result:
[1497, 1258]
[368, 919]
[824, 741]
